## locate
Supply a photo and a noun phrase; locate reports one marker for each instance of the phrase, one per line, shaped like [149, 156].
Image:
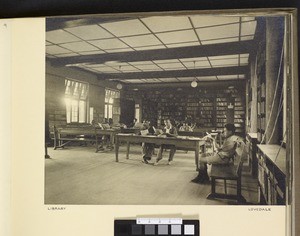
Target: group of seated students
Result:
[186, 127]
[180, 126]
[222, 154]
[148, 148]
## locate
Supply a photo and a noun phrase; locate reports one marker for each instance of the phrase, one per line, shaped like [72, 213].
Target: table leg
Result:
[127, 151]
[55, 143]
[46, 151]
[117, 149]
[112, 141]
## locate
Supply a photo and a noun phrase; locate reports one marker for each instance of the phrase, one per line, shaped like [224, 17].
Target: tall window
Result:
[110, 95]
[137, 112]
[76, 97]
[91, 114]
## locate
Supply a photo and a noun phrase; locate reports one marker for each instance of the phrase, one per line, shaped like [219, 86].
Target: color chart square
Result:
[137, 229]
[176, 229]
[189, 229]
[163, 229]
[149, 229]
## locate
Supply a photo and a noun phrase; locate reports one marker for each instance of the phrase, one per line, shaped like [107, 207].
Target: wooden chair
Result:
[232, 171]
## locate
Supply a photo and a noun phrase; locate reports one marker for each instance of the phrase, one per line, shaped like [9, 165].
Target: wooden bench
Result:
[231, 171]
[63, 136]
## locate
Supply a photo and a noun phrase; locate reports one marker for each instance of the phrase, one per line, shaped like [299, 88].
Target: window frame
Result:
[70, 97]
[109, 102]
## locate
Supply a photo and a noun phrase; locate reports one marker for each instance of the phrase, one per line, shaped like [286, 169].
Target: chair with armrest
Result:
[231, 171]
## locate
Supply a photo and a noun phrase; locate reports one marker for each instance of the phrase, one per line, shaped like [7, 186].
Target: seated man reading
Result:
[223, 155]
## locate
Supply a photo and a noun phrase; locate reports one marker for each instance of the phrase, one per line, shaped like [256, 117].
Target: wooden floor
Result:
[78, 175]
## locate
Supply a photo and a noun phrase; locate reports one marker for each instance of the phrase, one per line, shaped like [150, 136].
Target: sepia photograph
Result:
[182, 108]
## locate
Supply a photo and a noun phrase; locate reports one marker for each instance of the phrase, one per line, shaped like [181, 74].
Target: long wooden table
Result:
[130, 130]
[181, 142]
[198, 134]
[63, 136]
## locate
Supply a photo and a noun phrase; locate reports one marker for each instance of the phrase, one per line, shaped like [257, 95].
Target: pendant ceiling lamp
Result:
[194, 83]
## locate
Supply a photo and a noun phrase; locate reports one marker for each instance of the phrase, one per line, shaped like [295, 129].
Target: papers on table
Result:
[161, 136]
[144, 132]
[188, 137]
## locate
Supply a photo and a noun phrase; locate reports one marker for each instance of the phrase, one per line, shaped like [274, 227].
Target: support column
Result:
[274, 43]
[253, 115]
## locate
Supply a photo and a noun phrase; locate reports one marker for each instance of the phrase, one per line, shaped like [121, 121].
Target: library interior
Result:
[167, 109]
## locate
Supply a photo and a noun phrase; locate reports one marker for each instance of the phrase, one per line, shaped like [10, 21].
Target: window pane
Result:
[68, 109]
[72, 87]
[109, 100]
[76, 90]
[109, 111]
[83, 94]
[74, 111]
[137, 114]
[82, 112]
[68, 87]
[105, 112]
[91, 114]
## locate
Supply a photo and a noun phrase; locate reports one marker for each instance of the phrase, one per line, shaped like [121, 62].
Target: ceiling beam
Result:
[212, 84]
[234, 70]
[68, 22]
[161, 54]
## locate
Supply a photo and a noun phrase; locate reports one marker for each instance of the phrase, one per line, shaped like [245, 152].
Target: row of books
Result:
[269, 186]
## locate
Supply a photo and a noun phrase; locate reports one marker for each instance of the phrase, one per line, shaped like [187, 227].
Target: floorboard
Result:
[78, 175]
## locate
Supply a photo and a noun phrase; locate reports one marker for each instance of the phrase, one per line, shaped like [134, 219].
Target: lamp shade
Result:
[119, 86]
[194, 84]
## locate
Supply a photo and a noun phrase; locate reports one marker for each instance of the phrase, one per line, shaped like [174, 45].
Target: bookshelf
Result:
[251, 140]
[261, 90]
[261, 111]
[192, 104]
[239, 115]
[271, 174]
[249, 105]
[206, 112]
[230, 108]
[221, 110]
[207, 107]
[149, 110]
[172, 106]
